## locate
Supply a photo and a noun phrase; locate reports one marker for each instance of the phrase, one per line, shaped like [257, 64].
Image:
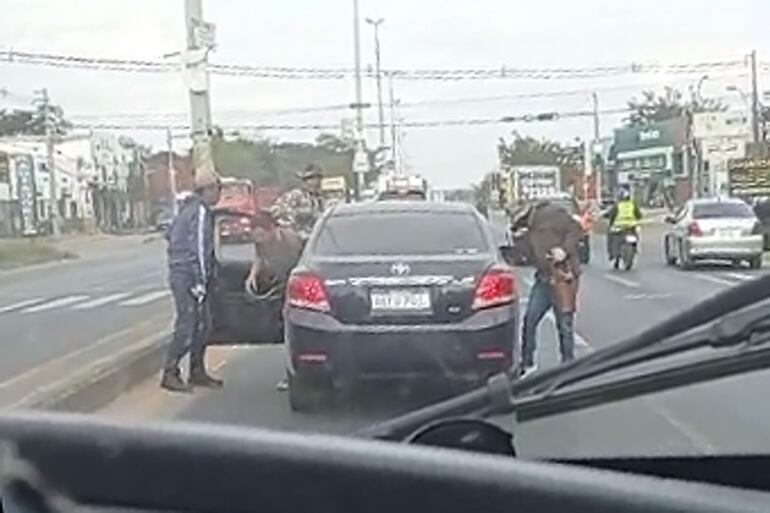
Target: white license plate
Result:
[400, 300]
[730, 234]
[631, 239]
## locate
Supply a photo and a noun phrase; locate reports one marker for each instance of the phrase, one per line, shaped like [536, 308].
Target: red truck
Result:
[242, 199]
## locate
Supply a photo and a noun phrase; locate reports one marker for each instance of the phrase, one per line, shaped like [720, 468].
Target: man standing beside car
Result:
[554, 237]
[191, 272]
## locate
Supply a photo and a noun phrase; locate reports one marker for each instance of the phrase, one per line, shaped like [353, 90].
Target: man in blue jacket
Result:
[191, 270]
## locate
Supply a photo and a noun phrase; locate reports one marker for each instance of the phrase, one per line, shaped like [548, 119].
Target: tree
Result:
[653, 107]
[32, 122]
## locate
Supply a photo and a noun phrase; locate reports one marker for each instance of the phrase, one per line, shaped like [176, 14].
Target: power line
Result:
[525, 118]
[315, 73]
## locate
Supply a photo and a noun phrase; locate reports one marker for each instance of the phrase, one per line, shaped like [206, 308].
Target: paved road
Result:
[722, 416]
[65, 314]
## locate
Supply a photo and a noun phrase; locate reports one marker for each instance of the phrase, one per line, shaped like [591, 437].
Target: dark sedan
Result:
[398, 291]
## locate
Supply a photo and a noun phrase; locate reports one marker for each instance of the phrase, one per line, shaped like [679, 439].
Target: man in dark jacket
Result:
[553, 236]
[191, 272]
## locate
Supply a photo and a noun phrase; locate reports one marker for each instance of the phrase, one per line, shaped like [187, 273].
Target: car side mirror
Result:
[507, 252]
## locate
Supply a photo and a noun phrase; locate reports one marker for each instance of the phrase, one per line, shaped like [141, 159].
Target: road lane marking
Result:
[21, 304]
[145, 298]
[739, 276]
[56, 303]
[695, 437]
[652, 296]
[623, 281]
[101, 301]
[714, 279]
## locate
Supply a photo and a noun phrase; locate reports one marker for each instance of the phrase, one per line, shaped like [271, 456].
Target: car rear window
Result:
[399, 233]
[715, 210]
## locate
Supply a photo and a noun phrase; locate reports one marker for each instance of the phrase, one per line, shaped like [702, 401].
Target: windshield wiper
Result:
[735, 329]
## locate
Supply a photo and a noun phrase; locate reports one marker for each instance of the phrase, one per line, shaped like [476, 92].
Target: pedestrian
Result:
[191, 273]
[277, 250]
[553, 236]
[301, 207]
[298, 210]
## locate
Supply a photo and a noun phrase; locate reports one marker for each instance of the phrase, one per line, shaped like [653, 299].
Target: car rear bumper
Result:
[322, 348]
[719, 247]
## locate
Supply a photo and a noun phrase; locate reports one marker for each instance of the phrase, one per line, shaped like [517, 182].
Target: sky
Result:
[415, 34]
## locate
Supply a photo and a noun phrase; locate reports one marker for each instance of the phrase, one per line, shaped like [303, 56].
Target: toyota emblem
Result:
[400, 269]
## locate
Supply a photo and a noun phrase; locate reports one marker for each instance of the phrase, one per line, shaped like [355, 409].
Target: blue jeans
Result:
[540, 301]
[190, 327]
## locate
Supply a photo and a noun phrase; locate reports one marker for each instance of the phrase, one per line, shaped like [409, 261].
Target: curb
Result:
[103, 382]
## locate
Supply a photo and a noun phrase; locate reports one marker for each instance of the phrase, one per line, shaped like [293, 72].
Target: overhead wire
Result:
[332, 73]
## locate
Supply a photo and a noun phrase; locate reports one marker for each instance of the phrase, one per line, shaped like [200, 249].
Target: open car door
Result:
[236, 317]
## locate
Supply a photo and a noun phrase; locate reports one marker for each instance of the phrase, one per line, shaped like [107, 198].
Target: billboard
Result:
[748, 177]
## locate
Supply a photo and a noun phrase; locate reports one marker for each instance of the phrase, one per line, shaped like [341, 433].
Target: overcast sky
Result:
[416, 34]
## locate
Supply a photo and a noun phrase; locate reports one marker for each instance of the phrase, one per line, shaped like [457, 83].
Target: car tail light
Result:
[306, 290]
[694, 229]
[496, 287]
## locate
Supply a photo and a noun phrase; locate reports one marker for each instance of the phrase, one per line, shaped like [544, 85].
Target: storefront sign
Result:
[748, 177]
[25, 180]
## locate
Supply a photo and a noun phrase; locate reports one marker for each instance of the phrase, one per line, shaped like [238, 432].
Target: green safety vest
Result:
[626, 216]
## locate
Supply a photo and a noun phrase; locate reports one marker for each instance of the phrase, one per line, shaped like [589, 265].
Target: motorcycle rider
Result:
[623, 216]
[553, 236]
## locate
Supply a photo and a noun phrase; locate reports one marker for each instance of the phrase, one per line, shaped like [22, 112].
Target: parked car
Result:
[713, 229]
[398, 291]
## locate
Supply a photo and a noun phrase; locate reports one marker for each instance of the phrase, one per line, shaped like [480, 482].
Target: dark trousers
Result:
[190, 327]
[540, 301]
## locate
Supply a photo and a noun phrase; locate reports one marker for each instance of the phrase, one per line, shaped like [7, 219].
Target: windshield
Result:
[716, 210]
[377, 161]
[401, 233]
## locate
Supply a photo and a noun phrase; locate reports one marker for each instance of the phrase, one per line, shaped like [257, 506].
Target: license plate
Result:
[400, 300]
[631, 239]
[730, 234]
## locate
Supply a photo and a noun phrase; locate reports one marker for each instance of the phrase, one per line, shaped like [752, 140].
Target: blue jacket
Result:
[191, 241]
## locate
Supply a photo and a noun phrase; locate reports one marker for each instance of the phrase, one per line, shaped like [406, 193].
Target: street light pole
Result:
[381, 112]
[754, 98]
[200, 105]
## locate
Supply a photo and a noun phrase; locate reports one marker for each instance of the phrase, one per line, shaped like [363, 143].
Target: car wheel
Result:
[302, 397]
[756, 262]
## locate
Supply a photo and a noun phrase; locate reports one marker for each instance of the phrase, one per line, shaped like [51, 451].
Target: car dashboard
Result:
[218, 468]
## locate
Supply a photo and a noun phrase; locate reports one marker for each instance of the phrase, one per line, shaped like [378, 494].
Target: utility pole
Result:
[595, 102]
[200, 40]
[171, 172]
[381, 110]
[393, 142]
[50, 131]
[754, 98]
[360, 161]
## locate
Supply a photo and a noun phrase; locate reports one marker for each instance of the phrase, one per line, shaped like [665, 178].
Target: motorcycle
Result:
[626, 247]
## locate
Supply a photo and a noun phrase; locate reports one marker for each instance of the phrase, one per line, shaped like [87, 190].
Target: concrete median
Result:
[90, 378]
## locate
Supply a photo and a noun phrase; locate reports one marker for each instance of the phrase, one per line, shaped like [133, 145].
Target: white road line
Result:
[714, 279]
[101, 301]
[662, 295]
[56, 303]
[623, 281]
[20, 304]
[145, 298]
[739, 276]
